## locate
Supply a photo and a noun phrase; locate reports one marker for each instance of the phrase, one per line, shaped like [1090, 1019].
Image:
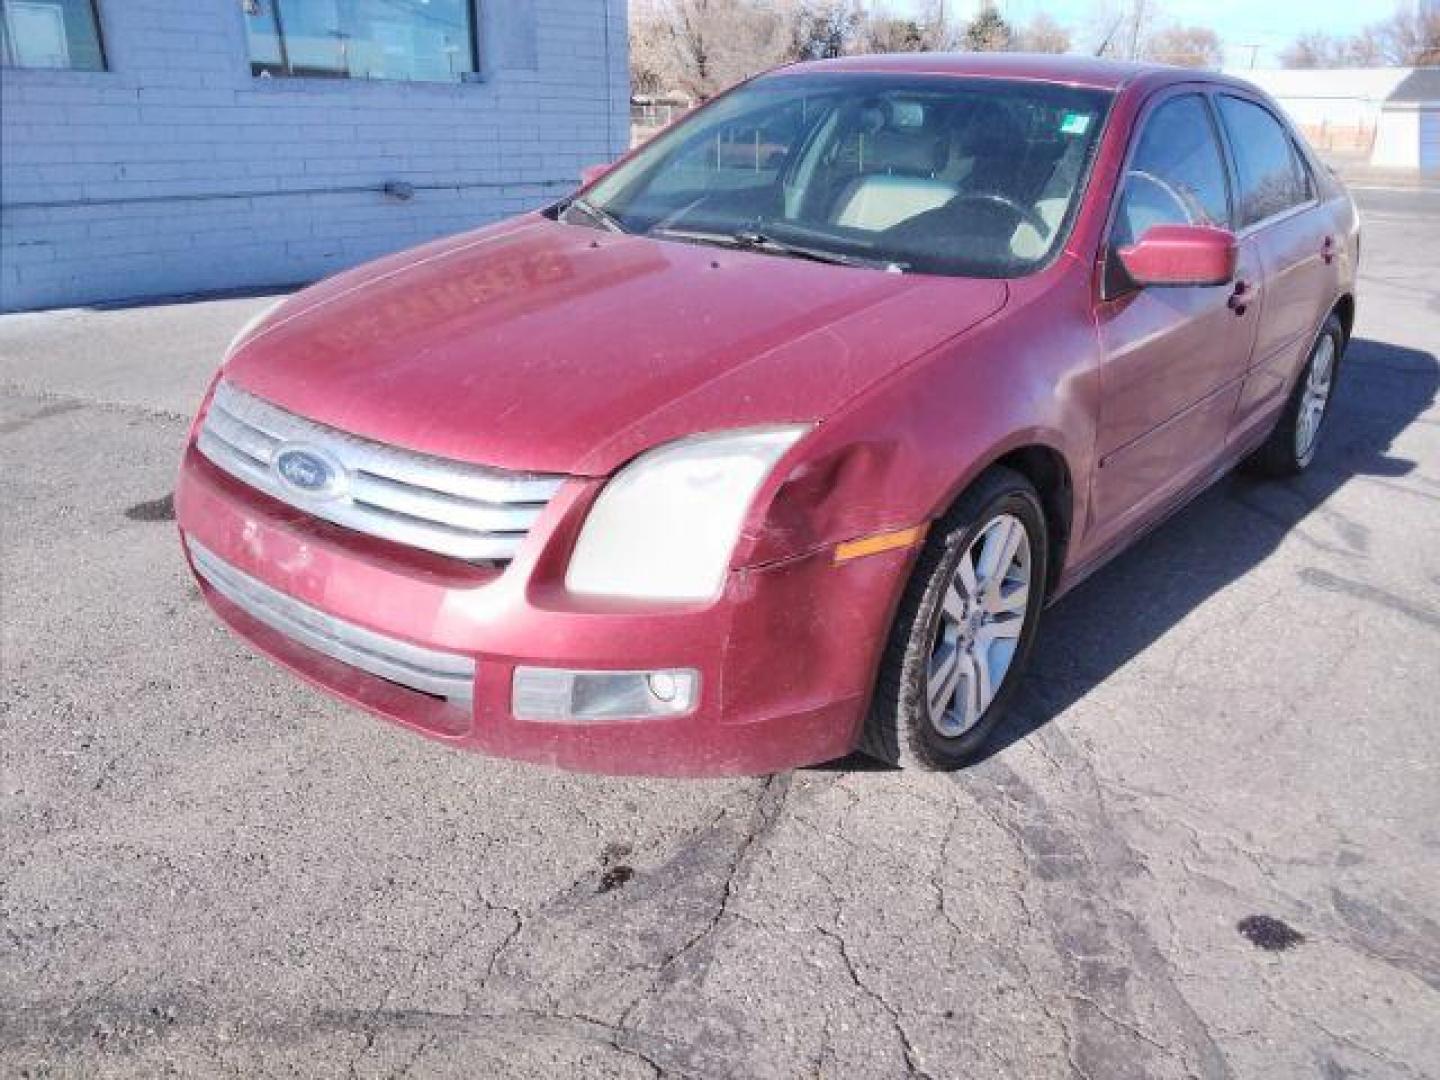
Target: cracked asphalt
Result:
[1209, 848]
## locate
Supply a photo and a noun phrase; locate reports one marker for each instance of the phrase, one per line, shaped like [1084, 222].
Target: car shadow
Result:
[1095, 630]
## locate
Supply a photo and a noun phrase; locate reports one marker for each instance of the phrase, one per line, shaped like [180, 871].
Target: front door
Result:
[1175, 358]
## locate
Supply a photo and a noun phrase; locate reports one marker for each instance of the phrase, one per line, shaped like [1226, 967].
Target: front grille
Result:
[465, 511]
[441, 674]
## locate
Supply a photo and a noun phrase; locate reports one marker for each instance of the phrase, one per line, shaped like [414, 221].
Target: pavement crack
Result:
[907, 1047]
[1080, 861]
[764, 815]
[434, 956]
[937, 876]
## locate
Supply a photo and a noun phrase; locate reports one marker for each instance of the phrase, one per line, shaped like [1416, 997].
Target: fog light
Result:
[663, 685]
[558, 694]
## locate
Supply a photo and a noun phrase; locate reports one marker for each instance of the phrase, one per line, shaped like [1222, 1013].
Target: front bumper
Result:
[786, 655]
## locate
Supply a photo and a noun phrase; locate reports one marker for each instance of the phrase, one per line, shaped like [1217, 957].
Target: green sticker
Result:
[1075, 123]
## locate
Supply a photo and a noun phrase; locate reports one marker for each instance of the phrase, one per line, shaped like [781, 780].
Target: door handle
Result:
[1242, 296]
[1327, 250]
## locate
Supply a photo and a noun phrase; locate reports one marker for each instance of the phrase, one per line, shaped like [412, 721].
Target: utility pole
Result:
[1104, 45]
[1139, 18]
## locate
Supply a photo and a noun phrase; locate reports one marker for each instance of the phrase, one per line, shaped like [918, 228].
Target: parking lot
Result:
[1210, 847]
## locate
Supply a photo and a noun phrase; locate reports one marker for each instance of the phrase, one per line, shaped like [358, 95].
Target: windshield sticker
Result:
[1075, 124]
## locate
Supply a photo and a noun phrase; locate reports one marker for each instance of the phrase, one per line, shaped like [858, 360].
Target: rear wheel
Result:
[964, 628]
[1292, 445]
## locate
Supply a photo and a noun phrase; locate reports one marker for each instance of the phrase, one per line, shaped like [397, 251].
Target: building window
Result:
[414, 40]
[50, 34]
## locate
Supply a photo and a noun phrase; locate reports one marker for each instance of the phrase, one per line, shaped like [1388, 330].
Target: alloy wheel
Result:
[979, 626]
[1314, 397]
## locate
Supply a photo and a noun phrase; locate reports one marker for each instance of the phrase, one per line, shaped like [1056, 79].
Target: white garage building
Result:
[1408, 136]
[1388, 116]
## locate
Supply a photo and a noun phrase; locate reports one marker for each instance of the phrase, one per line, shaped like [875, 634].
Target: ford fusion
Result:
[774, 441]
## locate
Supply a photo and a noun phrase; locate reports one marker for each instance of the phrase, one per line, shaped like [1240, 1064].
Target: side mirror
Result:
[590, 173]
[1173, 255]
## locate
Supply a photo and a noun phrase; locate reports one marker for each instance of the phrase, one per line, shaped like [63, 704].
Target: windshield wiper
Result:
[751, 240]
[603, 218]
[758, 241]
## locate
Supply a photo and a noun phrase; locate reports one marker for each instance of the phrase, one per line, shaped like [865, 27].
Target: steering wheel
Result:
[1022, 212]
[1189, 209]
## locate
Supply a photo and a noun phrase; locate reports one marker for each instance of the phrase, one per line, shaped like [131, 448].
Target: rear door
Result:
[1279, 214]
[1174, 357]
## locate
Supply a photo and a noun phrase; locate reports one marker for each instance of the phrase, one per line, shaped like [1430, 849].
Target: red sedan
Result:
[775, 440]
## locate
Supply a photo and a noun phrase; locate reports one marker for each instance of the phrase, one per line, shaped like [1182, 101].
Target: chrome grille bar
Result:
[465, 511]
[443, 674]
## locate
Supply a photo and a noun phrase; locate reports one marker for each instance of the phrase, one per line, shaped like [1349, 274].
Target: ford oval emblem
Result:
[310, 472]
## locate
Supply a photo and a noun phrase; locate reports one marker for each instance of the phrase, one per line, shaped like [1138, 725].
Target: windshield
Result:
[930, 174]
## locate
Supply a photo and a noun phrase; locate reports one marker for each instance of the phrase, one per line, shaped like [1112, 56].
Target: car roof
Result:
[1041, 67]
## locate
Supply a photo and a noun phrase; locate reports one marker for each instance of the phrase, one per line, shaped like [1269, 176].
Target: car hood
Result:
[542, 346]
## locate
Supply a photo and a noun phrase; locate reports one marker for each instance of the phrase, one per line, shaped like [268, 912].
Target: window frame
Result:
[1297, 160]
[1312, 181]
[1114, 281]
[264, 71]
[99, 26]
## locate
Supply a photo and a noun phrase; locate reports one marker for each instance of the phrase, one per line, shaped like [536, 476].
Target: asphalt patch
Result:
[615, 852]
[1269, 933]
[10, 427]
[162, 509]
[614, 877]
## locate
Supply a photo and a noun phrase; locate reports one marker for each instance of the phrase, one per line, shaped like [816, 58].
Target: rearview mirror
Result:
[590, 173]
[1172, 255]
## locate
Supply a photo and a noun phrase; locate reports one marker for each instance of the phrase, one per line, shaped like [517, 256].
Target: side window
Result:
[1272, 178]
[1177, 174]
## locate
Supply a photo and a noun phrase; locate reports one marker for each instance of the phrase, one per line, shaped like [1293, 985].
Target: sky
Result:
[1269, 25]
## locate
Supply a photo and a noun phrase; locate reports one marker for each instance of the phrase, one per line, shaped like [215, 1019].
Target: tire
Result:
[933, 623]
[1290, 448]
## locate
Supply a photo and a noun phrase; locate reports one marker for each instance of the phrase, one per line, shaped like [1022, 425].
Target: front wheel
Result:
[964, 629]
[1291, 446]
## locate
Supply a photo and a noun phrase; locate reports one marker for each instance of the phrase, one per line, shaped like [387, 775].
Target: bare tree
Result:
[1319, 50]
[1313, 50]
[941, 34]
[700, 47]
[652, 60]
[1186, 46]
[1368, 48]
[1409, 37]
[1412, 35]
[988, 32]
[1042, 34]
[822, 29]
[884, 34]
[1120, 28]
[928, 30]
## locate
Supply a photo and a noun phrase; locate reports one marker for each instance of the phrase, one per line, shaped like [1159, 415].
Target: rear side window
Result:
[1177, 176]
[1272, 178]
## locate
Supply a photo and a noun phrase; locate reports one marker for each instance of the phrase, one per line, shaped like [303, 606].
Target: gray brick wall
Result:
[176, 171]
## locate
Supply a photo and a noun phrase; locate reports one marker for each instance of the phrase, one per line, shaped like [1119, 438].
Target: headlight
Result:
[664, 528]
